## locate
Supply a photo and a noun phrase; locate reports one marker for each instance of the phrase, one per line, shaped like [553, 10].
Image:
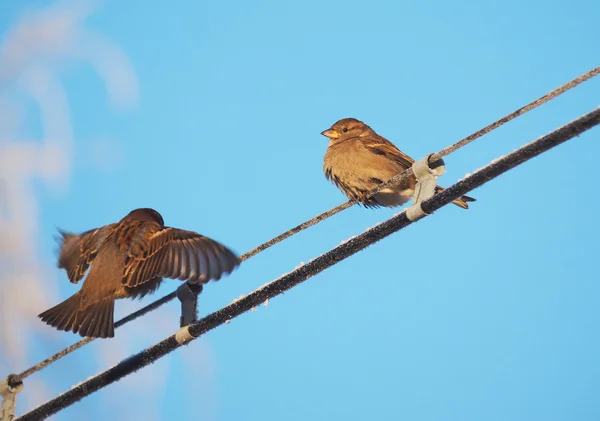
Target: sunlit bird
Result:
[358, 159]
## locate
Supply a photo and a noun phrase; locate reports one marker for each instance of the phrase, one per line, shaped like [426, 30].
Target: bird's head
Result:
[146, 214]
[346, 128]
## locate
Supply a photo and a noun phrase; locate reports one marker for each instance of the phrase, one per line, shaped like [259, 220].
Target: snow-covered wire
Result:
[278, 286]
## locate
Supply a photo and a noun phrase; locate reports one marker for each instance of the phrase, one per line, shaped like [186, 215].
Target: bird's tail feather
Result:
[96, 320]
[461, 201]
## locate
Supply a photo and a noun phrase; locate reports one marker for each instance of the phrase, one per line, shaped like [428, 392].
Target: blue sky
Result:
[497, 321]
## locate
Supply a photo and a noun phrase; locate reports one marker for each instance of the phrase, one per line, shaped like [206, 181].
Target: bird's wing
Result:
[379, 145]
[178, 254]
[77, 251]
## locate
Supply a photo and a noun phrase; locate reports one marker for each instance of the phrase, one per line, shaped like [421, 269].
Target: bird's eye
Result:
[345, 129]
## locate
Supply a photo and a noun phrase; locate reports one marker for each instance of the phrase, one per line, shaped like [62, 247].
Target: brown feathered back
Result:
[126, 260]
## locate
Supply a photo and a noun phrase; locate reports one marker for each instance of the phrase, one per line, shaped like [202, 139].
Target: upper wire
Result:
[407, 173]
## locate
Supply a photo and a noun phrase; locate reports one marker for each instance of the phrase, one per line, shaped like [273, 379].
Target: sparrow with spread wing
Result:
[358, 159]
[128, 259]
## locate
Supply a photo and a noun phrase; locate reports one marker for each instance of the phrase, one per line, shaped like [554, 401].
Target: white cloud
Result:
[32, 54]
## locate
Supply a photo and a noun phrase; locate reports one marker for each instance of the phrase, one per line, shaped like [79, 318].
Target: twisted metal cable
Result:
[444, 152]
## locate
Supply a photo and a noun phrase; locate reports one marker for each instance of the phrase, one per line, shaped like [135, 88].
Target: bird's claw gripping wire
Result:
[426, 173]
[9, 388]
[188, 295]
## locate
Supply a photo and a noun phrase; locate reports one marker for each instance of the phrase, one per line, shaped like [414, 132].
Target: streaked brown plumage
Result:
[128, 259]
[358, 159]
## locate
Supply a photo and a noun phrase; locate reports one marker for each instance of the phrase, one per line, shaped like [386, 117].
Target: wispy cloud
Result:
[32, 55]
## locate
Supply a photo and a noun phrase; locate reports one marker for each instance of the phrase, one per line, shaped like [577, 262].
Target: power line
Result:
[330, 258]
[444, 152]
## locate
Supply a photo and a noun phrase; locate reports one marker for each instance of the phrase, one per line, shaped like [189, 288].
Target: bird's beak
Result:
[330, 133]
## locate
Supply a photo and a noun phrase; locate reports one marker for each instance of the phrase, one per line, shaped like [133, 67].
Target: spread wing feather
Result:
[178, 254]
[78, 251]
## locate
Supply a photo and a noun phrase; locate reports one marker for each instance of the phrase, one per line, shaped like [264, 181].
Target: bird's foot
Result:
[188, 295]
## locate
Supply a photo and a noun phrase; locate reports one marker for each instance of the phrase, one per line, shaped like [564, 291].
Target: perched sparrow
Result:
[358, 159]
[129, 260]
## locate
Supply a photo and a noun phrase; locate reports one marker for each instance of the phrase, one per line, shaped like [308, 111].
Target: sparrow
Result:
[129, 259]
[358, 159]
